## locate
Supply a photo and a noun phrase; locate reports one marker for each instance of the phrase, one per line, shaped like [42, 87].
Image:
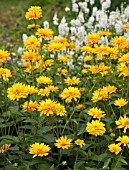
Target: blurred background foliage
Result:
[12, 12]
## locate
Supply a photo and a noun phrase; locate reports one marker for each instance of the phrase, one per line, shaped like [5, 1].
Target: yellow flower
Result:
[123, 122]
[80, 142]
[31, 89]
[95, 128]
[70, 93]
[86, 48]
[44, 92]
[105, 33]
[92, 37]
[114, 148]
[120, 102]
[63, 142]
[71, 46]
[64, 59]
[126, 26]
[34, 12]
[44, 33]
[96, 113]
[5, 74]
[30, 105]
[61, 71]
[44, 80]
[103, 93]
[118, 40]
[55, 46]
[46, 107]
[88, 58]
[4, 147]
[59, 109]
[72, 81]
[32, 43]
[32, 26]
[4, 55]
[30, 55]
[38, 149]
[81, 106]
[124, 140]
[17, 91]
[52, 88]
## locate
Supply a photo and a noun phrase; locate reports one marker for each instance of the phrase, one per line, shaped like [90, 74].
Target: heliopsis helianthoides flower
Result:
[70, 93]
[44, 80]
[30, 55]
[96, 113]
[39, 149]
[32, 26]
[44, 92]
[126, 26]
[103, 50]
[17, 91]
[88, 58]
[79, 142]
[105, 33]
[86, 48]
[72, 81]
[123, 122]
[63, 142]
[47, 90]
[31, 89]
[53, 88]
[123, 69]
[5, 74]
[59, 109]
[124, 140]
[118, 41]
[61, 71]
[95, 128]
[4, 147]
[103, 93]
[81, 106]
[64, 59]
[55, 46]
[120, 102]
[124, 58]
[114, 148]
[61, 40]
[84, 71]
[30, 105]
[45, 33]
[34, 12]
[32, 43]
[92, 38]
[46, 107]
[4, 55]
[72, 46]
[48, 62]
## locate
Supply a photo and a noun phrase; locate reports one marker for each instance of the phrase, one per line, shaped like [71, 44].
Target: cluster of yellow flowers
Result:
[43, 150]
[60, 84]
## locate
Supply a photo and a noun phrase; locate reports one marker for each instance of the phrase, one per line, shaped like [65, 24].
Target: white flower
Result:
[67, 9]
[81, 17]
[20, 50]
[24, 37]
[94, 11]
[92, 2]
[46, 24]
[75, 7]
[73, 30]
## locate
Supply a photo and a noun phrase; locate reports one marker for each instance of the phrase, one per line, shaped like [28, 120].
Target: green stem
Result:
[75, 161]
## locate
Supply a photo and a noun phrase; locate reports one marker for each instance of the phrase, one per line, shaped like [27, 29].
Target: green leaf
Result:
[52, 167]
[106, 163]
